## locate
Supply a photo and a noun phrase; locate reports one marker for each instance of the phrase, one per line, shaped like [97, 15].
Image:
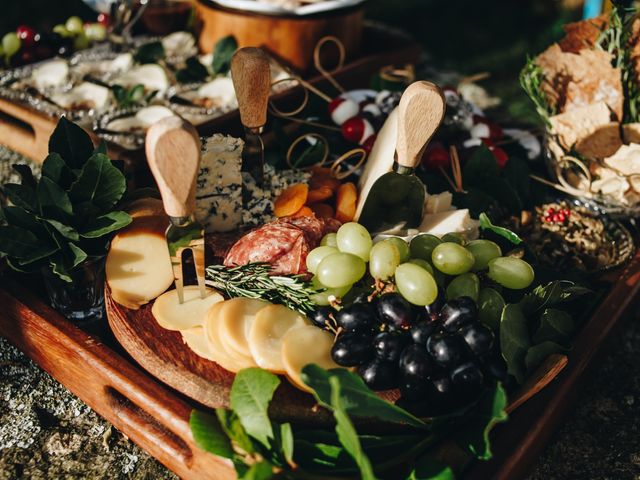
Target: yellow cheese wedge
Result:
[138, 267]
[265, 337]
[236, 317]
[216, 348]
[196, 340]
[173, 315]
[302, 346]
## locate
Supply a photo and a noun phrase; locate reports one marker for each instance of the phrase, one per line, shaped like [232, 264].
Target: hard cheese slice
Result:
[196, 340]
[236, 317]
[302, 346]
[173, 315]
[265, 337]
[218, 344]
[138, 267]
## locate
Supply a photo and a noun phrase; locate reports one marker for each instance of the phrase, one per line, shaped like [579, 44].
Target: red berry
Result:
[104, 19]
[353, 129]
[26, 35]
[436, 157]
[551, 210]
[561, 217]
[368, 143]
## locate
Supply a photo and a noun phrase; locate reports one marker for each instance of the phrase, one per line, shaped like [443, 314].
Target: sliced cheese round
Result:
[138, 266]
[145, 207]
[219, 353]
[237, 316]
[265, 337]
[196, 340]
[302, 346]
[173, 315]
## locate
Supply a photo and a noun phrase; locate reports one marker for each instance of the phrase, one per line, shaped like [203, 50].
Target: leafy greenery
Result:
[193, 71]
[485, 224]
[261, 448]
[531, 79]
[150, 52]
[129, 97]
[222, 53]
[69, 214]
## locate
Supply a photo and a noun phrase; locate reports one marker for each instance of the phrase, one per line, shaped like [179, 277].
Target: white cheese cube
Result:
[439, 224]
[438, 203]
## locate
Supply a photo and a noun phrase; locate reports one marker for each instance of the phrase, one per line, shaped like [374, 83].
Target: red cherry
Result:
[104, 19]
[368, 143]
[436, 157]
[26, 35]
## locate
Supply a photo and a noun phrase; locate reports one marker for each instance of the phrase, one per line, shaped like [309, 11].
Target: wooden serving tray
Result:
[156, 417]
[27, 131]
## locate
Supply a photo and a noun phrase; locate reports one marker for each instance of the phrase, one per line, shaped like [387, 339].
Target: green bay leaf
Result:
[21, 196]
[428, 468]
[251, 393]
[99, 183]
[54, 201]
[71, 142]
[222, 53]
[514, 340]
[555, 325]
[106, 224]
[539, 353]
[485, 224]
[209, 434]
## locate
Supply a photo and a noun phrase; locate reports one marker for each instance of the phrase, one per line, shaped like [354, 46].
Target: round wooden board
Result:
[164, 355]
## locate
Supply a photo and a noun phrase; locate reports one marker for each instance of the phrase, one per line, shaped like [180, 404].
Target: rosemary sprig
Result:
[253, 281]
[531, 78]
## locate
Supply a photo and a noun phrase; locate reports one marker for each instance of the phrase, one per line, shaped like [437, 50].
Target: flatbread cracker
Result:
[570, 127]
[583, 34]
[626, 160]
[631, 133]
[603, 142]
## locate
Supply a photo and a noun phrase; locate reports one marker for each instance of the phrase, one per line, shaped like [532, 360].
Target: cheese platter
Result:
[371, 286]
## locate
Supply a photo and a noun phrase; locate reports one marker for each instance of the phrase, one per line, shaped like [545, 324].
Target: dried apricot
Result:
[304, 212]
[346, 201]
[319, 194]
[291, 200]
[322, 210]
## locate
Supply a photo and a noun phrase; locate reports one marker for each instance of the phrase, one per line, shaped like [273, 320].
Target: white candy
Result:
[342, 109]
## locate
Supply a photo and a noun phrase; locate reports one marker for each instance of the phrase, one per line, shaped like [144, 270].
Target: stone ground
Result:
[46, 432]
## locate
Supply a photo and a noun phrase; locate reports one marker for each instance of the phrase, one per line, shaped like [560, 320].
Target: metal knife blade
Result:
[185, 233]
[253, 155]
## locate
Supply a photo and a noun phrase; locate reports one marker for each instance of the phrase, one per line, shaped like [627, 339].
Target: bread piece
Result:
[603, 142]
[571, 127]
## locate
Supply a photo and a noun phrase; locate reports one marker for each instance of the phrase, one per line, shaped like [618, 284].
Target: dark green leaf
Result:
[347, 433]
[539, 353]
[480, 166]
[258, 471]
[503, 193]
[358, 399]
[209, 434]
[222, 53]
[514, 340]
[428, 468]
[71, 142]
[286, 442]
[555, 325]
[56, 170]
[473, 199]
[99, 183]
[101, 148]
[76, 255]
[485, 224]
[23, 244]
[251, 393]
[150, 53]
[19, 217]
[21, 196]
[105, 224]
[54, 201]
[553, 293]
[60, 269]
[26, 175]
[317, 456]
[193, 71]
[490, 410]
[66, 231]
[231, 425]
[490, 308]
[193, 233]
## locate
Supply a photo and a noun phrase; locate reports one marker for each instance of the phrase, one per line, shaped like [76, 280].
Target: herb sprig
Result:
[253, 280]
[531, 79]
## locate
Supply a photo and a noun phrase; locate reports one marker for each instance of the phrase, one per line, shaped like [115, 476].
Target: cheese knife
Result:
[396, 199]
[172, 146]
[251, 76]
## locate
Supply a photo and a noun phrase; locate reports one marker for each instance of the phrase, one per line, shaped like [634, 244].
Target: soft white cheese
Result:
[438, 203]
[439, 224]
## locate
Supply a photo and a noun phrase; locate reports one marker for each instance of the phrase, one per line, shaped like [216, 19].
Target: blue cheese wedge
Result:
[219, 184]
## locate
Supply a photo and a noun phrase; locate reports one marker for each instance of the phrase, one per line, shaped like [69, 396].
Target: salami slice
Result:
[284, 243]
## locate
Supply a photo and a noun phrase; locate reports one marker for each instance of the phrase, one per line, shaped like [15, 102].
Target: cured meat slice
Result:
[283, 243]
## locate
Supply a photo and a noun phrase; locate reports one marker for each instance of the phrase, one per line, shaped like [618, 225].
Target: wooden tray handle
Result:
[24, 131]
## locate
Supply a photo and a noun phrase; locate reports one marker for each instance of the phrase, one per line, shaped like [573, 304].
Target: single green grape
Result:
[383, 260]
[465, 285]
[401, 245]
[80, 41]
[329, 240]
[316, 255]
[355, 239]
[340, 269]
[454, 237]
[452, 259]
[415, 284]
[74, 25]
[422, 246]
[323, 294]
[511, 272]
[62, 31]
[483, 251]
[490, 306]
[10, 44]
[422, 263]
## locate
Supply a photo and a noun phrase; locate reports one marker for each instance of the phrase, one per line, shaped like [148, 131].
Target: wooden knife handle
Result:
[420, 113]
[172, 146]
[251, 77]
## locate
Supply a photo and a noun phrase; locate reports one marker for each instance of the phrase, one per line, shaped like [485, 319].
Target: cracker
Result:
[583, 34]
[570, 127]
[603, 142]
[631, 133]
